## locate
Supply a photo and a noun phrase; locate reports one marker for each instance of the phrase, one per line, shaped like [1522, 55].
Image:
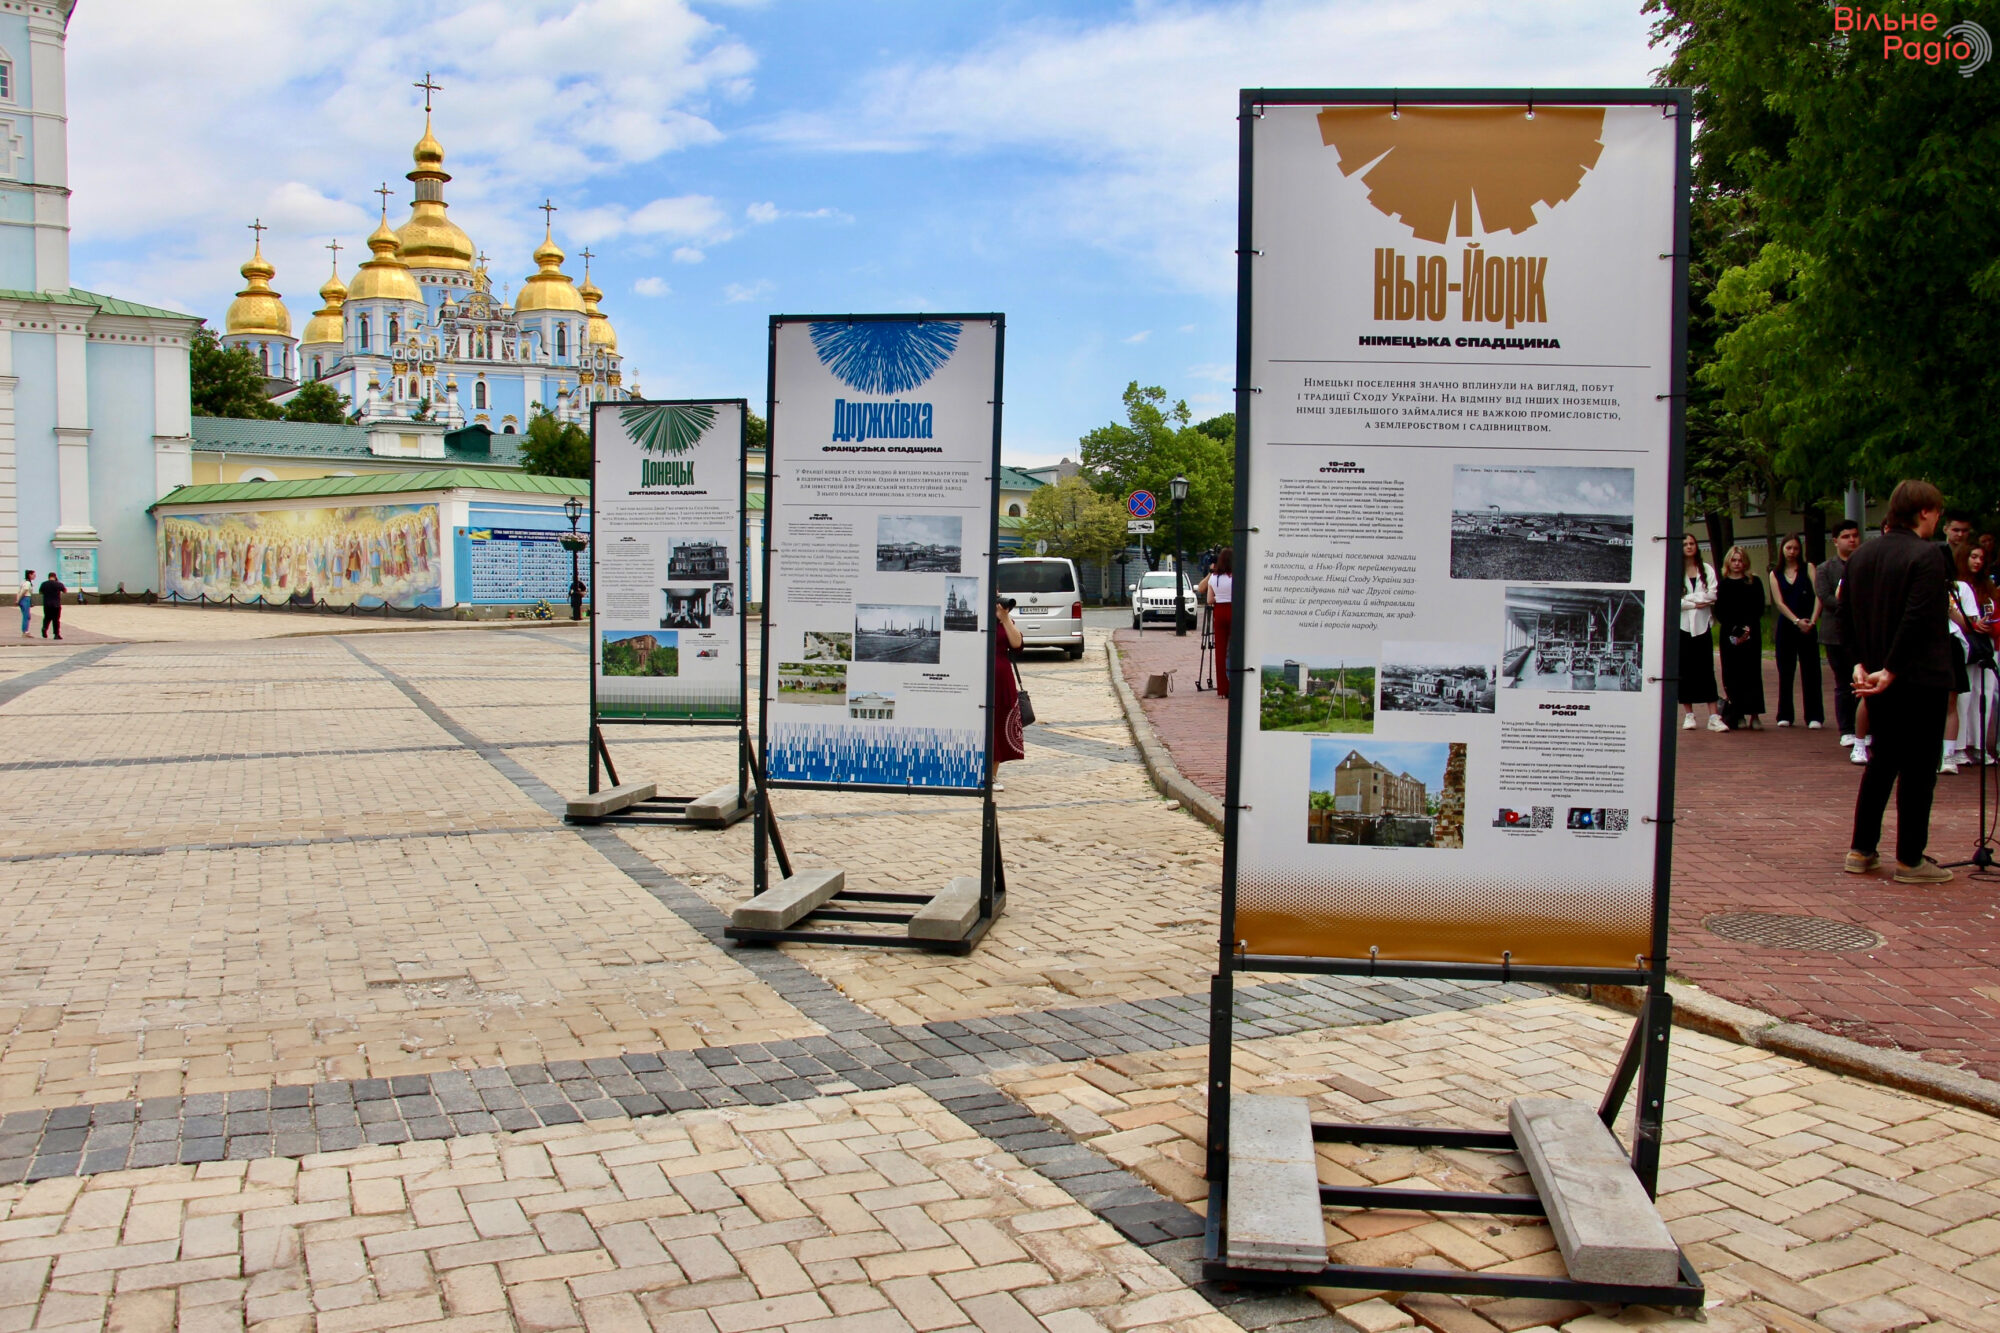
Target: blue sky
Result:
[1070, 164]
[1422, 760]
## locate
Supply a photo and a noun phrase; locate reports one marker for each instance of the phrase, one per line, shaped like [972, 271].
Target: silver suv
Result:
[1047, 607]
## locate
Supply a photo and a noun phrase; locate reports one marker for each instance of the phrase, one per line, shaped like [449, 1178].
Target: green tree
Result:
[1075, 520]
[225, 381]
[317, 402]
[756, 434]
[551, 448]
[1155, 443]
[1857, 297]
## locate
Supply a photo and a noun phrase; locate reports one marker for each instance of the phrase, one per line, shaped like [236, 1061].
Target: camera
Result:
[1009, 603]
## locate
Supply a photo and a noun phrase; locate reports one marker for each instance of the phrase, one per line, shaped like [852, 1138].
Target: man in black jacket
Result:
[52, 591]
[1893, 624]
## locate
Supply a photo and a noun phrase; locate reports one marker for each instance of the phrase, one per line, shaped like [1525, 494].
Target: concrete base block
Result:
[718, 807]
[1606, 1227]
[780, 907]
[1274, 1210]
[950, 915]
[611, 800]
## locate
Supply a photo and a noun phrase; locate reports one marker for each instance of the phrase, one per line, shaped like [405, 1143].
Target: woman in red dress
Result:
[1008, 742]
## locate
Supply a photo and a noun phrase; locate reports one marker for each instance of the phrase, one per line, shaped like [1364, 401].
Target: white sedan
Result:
[1153, 599]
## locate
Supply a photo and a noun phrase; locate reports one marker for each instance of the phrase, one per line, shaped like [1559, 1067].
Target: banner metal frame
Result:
[1644, 1061]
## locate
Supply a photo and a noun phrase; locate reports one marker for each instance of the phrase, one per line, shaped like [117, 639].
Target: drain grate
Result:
[1775, 931]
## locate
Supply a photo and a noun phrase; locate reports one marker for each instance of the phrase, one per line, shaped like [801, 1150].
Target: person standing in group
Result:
[25, 599]
[1957, 532]
[1974, 596]
[1217, 591]
[1739, 610]
[1797, 632]
[1826, 590]
[1697, 683]
[1892, 620]
[52, 595]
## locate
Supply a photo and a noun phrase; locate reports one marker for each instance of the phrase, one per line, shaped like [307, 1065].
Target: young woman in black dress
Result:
[1797, 632]
[1739, 610]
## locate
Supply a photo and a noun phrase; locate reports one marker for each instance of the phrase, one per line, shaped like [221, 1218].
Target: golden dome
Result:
[550, 288]
[430, 239]
[599, 331]
[257, 308]
[326, 325]
[384, 277]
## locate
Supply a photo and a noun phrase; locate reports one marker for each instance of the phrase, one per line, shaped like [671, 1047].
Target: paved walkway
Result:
[1764, 819]
[317, 1017]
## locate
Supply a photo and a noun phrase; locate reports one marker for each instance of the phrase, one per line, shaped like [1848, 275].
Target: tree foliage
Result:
[317, 402]
[1156, 442]
[1847, 249]
[1075, 520]
[225, 381]
[551, 448]
[756, 433]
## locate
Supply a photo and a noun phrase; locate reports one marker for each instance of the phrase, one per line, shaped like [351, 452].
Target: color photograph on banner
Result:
[883, 455]
[667, 551]
[1462, 334]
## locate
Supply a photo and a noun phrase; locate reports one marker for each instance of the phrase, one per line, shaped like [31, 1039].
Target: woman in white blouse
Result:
[1698, 588]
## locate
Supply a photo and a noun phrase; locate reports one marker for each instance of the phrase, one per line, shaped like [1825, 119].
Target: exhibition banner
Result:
[353, 555]
[1459, 350]
[878, 649]
[667, 561]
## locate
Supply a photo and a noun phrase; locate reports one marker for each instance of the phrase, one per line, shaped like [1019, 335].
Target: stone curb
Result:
[1153, 751]
[1711, 1014]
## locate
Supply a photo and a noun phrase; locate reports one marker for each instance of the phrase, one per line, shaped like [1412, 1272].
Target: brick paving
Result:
[318, 1018]
[1763, 821]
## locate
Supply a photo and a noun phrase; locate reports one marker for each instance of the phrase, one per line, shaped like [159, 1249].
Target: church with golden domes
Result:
[419, 335]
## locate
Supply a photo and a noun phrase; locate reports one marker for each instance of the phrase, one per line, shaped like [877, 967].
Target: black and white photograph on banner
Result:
[698, 558]
[1574, 639]
[1541, 524]
[722, 600]
[896, 633]
[1439, 677]
[687, 607]
[1380, 793]
[961, 604]
[918, 543]
[823, 645]
[812, 682]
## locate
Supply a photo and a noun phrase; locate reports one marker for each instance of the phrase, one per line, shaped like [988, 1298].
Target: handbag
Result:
[1024, 704]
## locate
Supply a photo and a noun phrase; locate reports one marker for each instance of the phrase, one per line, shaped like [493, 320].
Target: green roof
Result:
[313, 439]
[109, 305]
[1013, 479]
[372, 483]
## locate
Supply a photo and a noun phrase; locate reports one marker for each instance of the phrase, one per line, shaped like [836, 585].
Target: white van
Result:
[1048, 610]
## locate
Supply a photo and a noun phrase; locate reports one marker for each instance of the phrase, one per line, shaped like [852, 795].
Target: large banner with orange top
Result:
[1459, 353]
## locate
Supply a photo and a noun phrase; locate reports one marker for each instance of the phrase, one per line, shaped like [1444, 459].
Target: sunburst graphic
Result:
[885, 356]
[1430, 166]
[661, 429]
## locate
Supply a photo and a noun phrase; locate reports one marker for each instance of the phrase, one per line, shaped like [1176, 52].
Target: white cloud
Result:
[652, 287]
[1188, 328]
[687, 254]
[682, 217]
[1140, 336]
[737, 291]
[768, 212]
[1136, 116]
[1218, 371]
[761, 213]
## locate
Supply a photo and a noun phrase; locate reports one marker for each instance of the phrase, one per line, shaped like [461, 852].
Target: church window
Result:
[479, 394]
[508, 431]
[1013, 511]
[395, 330]
[264, 358]
[316, 368]
[562, 340]
[361, 332]
[7, 80]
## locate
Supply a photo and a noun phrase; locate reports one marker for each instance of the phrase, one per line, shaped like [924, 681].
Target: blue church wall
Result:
[504, 396]
[121, 464]
[35, 447]
[17, 246]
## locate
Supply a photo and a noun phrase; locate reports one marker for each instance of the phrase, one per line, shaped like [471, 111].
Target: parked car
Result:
[1153, 598]
[1047, 608]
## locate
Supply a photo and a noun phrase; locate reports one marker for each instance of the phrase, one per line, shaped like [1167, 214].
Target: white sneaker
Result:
[1860, 754]
[1717, 724]
[1784, 724]
[1949, 764]
[1687, 723]
[1812, 726]
[1847, 738]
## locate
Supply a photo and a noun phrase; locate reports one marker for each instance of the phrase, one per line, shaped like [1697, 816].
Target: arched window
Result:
[1013, 511]
[413, 387]
[316, 368]
[264, 358]
[479, 395]
[508, 431]
[395, 330]
[361, 331]
[562, 340]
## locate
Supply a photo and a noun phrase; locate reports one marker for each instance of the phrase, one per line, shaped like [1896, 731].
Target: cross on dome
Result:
[335, 246]
[385, 192]
[259, 227]
[549, 211]
[428, 88]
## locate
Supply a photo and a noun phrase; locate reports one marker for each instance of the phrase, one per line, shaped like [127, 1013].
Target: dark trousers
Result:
[51, 619]
[1905, 736]
[1220, 623]
[1841, 664]
[1799, 652]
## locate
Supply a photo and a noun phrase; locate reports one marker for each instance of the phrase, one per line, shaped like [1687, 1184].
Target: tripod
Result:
[1982, 859]
[1204, 671]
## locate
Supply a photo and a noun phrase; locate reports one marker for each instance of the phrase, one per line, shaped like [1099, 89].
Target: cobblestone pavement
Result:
[1764, 819]
[318, 1017]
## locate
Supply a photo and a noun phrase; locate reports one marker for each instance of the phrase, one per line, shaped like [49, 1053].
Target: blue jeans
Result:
[27, 609]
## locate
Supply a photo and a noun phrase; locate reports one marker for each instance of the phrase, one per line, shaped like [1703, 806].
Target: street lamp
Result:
[1178, 488]
[573, 542]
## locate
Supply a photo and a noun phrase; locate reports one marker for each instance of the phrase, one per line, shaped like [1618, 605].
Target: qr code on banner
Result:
[1614, 820]
[1542, 816]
